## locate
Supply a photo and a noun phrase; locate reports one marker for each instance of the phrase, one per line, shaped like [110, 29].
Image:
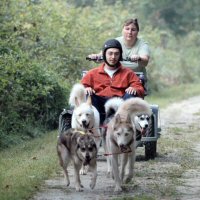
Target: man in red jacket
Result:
[111, 79]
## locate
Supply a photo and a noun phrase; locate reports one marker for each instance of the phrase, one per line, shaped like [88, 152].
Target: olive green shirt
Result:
[140, 48]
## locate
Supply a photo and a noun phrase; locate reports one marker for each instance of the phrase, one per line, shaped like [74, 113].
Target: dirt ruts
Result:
[150, 176]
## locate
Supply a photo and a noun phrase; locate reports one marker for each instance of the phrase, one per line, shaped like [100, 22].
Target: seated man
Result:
[111, 79]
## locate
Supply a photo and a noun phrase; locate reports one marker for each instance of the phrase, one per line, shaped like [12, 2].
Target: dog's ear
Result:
[128, 119]
[89, 100]
[77, 103]
[75, 136]
[117, 118]
[65, 138]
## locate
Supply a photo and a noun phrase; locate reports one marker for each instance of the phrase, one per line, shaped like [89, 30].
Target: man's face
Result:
[130, 32]
[112, 56]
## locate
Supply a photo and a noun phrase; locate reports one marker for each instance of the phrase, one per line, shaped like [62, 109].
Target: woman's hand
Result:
[135, 58]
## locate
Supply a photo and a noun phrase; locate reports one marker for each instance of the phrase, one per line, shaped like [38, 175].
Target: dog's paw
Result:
[79, 188]
[83, 172]
[68, 184]
[108, 175]
[92, 184]
[127, 179]
[118, 189]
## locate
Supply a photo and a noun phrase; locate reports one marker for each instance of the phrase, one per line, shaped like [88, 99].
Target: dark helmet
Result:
[112, 43]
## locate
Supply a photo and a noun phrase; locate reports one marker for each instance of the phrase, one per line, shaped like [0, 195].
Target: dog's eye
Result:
[126, 134]
[82, 149]
[118, 134]
[90, 149]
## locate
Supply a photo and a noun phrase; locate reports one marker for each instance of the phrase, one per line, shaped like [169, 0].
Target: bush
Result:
[31, 98]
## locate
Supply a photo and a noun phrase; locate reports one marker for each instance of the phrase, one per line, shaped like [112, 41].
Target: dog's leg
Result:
[108, 159]
[131, 162]
[64, 159]
[93, 169]
[97, 137]
[124, 159]
[115, 171]
[83, 170]
[78, 185]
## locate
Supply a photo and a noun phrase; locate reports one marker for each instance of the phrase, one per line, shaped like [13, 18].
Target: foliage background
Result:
[43, 45]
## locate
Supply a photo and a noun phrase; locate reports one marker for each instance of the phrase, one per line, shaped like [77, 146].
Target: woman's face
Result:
[130, 32]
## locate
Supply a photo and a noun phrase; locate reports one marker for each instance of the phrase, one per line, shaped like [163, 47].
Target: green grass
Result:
[24, 167]
[173, 94]
[140, 197]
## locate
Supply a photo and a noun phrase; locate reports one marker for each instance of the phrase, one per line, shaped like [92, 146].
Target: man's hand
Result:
[89, 91]
[131, 90]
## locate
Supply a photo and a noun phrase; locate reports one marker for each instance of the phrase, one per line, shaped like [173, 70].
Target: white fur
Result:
[85, 116]
[113, 103]
[78, 91]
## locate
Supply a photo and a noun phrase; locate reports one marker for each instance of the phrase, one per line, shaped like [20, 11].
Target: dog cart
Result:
[149, 140]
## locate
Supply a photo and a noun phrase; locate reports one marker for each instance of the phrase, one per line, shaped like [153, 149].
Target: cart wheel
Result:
[151, 147]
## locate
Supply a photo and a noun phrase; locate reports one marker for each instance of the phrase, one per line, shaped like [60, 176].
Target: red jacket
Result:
[106, 86]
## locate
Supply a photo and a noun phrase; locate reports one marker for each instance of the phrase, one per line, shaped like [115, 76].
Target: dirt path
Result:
[163, 178]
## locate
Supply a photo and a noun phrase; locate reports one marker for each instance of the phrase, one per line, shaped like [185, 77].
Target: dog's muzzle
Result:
[124, 148]
[85, 124]
[143, 130]
[87, 160]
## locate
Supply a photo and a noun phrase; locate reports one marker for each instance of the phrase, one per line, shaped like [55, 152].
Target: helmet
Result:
[112, 43]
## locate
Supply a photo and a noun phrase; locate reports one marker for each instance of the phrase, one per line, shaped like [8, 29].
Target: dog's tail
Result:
[77, 95]
[135, 106]
[112, 105]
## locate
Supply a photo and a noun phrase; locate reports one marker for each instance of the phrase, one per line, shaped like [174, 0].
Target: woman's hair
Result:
[131, 21]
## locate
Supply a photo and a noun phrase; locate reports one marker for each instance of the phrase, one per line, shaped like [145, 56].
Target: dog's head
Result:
[142, 123]
[124, 132]
[86, 148]
[84, 114]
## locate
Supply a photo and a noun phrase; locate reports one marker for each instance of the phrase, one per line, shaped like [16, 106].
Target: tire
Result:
[151, 147]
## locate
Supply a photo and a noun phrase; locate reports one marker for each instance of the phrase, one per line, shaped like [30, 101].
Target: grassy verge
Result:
[170, 95]
[24, 167]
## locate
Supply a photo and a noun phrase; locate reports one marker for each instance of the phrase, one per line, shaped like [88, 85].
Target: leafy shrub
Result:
[31, 97]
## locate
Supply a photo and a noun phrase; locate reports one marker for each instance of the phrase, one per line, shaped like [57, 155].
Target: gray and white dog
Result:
[80, 148]
[121, 139]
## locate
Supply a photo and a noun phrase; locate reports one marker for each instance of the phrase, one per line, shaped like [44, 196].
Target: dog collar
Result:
[81, 132]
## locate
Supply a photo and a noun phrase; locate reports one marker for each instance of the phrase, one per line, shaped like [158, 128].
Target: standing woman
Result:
[133, 47]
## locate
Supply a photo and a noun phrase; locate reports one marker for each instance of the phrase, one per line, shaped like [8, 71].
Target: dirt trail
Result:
[151, 177]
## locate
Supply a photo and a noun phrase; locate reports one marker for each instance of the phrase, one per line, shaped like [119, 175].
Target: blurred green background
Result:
[43, 45]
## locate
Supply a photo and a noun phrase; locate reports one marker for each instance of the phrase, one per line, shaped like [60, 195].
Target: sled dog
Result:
[80, 148]
[85, 117]
[121, 138]
[111, 107]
